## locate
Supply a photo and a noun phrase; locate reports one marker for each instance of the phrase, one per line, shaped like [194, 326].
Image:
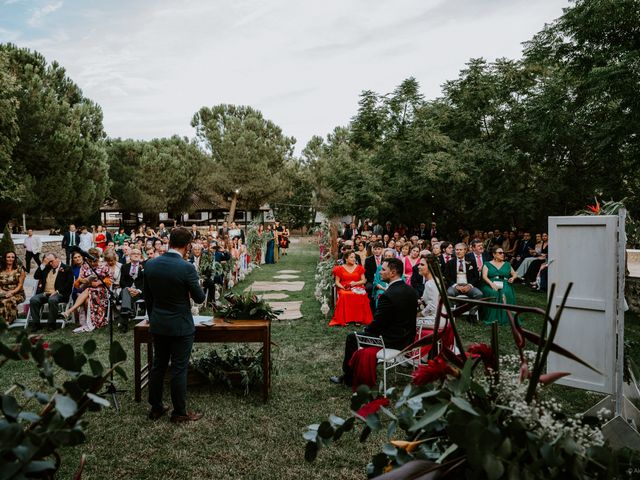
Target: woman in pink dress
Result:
[409, 262]
[353, 302]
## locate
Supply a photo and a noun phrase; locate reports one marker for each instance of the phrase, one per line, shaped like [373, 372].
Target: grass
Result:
[240, 437]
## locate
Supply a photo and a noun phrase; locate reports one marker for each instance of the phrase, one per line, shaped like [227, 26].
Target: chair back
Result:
[366, 341]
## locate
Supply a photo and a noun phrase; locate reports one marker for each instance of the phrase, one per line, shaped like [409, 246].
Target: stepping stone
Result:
[275, 287]
[291, 310]
[274, 296]
[286, 277]
[288, 271]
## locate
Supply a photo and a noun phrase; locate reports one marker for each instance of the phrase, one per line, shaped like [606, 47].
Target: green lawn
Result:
[240, 437]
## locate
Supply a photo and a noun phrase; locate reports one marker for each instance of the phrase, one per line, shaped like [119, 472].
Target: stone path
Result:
[276, 286]
[291, 310]
[274, 296]
[284, 280]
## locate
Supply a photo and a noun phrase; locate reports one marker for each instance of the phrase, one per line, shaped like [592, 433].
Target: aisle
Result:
[283, 280]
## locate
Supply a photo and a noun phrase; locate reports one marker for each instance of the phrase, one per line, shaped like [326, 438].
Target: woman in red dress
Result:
[353, 302]
[100, 239]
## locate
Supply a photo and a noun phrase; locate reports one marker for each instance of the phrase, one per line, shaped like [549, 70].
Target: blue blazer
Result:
[169, 283]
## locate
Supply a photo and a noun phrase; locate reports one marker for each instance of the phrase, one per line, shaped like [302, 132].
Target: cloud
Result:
[151, 65]
[38, 14]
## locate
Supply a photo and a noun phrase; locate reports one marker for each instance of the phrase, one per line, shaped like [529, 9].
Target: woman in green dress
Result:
[498, 277]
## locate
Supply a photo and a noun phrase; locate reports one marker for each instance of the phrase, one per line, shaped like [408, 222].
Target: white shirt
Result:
[430, 297]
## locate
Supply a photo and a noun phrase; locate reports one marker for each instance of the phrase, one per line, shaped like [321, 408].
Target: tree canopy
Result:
[57, 163]
[509, 142]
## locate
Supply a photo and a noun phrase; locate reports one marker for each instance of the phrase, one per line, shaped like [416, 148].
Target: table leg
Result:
[137, 369]
[266, 366]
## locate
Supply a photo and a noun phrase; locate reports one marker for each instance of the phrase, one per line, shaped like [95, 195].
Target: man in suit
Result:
[394, 320]
[422, 232]
[462, 276]
[70, 239]
[169, 283]
[55, 281]
[195, 234]
[132, 283]
[433, 232]
[477, 255]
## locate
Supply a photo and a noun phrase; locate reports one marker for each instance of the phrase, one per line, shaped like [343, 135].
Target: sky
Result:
[151, 65]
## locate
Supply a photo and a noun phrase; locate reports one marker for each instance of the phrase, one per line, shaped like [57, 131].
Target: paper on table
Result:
[198, 319]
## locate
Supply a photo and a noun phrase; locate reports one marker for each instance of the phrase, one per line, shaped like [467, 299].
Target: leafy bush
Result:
[230, 364]
[36, 423]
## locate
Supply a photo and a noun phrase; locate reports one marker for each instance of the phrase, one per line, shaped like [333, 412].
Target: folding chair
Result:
[390, 358]
[30, 285]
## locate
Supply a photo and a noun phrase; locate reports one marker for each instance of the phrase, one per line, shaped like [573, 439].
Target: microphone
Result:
[84, 254]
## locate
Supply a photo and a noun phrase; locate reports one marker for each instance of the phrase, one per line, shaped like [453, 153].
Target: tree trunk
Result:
[232, 208]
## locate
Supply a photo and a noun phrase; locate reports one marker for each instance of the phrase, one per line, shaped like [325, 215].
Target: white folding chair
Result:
[390, 358]
[30, 285]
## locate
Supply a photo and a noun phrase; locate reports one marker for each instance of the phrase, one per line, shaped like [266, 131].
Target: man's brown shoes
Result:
[156, 414]
[189, 417]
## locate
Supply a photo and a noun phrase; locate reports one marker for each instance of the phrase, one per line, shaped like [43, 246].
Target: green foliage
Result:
[229, 365]
[508, 142]
[155, 176]
[246, 306]
[11, 186]
[254, 241]
[248, 152]
[6, 243]
[37, 423]
[57, 137]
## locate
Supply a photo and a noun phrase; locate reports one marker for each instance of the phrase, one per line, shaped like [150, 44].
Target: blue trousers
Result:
[178, 350]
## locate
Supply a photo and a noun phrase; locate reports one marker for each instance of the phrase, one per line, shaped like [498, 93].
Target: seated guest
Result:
[498, 275]
[379, 285]
[361, 252]
[76, 265]
[410, 261]
[371, 265]
[115, 267]
[430, 297]
[55, 281]
[534, 266]
[353, 303]
[93, 301]
[12, 277]
[132, 283]
[477, 254]
[524, 250]
[462, 277]
[395, 319]
[447, 254]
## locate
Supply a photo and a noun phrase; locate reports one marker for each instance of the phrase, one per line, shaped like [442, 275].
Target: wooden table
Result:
[235, 331]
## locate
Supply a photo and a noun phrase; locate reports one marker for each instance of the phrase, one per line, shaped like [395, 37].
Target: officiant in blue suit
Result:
[170, 283]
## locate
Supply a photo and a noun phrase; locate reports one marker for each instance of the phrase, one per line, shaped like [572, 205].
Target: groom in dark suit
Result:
[394, 320]
[169, 283]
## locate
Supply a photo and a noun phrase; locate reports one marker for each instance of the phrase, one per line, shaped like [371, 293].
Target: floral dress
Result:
[9, 280]
[94, 312]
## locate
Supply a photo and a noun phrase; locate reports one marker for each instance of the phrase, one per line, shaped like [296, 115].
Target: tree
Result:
[10, 187]
[155, 176]
[59, 156]
[6, 243]
[248, 152]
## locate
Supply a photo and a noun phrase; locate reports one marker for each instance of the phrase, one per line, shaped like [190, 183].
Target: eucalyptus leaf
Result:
[99, 400]
[117, 353]
[463, 404]
[64, 356]
[66, 406]
[431, 415]
[89, 347]
[10, 407]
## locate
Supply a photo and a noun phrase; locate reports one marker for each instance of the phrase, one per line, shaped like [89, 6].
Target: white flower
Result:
[324, 308]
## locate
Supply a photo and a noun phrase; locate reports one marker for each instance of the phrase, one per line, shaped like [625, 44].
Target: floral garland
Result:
[324, 269]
